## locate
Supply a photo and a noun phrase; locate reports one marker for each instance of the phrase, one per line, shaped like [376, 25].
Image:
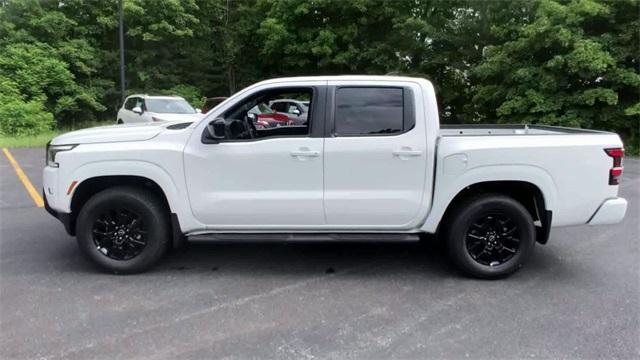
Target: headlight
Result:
[53, 150]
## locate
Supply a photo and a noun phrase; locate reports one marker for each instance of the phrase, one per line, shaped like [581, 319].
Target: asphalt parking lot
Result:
[579, 296]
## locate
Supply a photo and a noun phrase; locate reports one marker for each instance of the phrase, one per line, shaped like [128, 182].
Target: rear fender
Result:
[448, 186]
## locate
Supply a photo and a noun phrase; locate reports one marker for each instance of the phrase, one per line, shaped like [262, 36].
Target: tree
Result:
[563, 62]
[570, 66]
[43, 78]
[329, 37]
[19, 117]
[159, 39]
[51, 59]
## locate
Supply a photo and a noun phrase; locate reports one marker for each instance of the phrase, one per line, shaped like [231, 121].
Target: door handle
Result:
[406, 152]
[305, 153]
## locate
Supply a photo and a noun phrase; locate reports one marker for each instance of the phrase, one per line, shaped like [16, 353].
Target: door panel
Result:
[131, 116]
[260, 183]
[367, 184]
[374, 180]
[271, 182]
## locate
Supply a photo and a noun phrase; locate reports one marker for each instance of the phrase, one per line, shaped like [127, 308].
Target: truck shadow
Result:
[310, 258]
[426, 259]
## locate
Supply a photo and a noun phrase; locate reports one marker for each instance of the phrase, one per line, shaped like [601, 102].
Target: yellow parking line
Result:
[24, 179]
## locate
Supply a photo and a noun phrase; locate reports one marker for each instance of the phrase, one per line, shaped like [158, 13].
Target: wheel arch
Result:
[91, 186]
[526, 193]
[94, 177]
[516, 181]
[125, 172]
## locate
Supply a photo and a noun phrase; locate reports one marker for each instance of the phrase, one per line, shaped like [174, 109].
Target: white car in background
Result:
[146, 108]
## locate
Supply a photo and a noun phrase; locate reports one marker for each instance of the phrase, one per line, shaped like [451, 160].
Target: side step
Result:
[286, 237]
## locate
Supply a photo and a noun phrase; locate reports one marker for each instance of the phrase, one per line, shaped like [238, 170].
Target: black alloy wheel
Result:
[124, 229]
[119, 234]
[489, 236]
[493, 239]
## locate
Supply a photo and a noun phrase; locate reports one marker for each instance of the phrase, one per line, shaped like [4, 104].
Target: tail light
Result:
[616, 172]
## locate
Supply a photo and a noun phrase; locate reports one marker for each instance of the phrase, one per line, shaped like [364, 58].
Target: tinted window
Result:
[279, 106]
[130, 103]
[367, 111]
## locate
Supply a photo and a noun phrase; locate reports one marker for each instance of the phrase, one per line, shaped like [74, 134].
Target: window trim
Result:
[317, 113]
[408, 110]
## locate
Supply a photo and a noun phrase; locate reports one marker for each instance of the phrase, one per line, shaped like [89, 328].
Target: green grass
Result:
[41, 140]
[27, 141]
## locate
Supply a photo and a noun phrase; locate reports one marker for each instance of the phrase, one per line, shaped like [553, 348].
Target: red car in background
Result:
[264, 117]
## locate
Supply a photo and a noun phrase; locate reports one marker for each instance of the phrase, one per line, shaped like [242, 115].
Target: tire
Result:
[140, 217]
[482, 232]
[120, 122]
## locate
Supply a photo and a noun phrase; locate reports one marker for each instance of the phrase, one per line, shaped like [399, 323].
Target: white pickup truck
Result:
[371, 162]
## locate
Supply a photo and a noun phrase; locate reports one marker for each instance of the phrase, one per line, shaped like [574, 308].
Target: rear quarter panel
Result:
[572, 170]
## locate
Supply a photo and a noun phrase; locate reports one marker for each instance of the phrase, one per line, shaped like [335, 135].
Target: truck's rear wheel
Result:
[490, 236]
[123, 229]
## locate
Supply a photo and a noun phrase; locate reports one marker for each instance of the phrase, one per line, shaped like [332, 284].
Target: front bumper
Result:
[65, 218]
[611, 211]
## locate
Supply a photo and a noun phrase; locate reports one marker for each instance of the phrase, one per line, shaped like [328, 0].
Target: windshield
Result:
[169, 106]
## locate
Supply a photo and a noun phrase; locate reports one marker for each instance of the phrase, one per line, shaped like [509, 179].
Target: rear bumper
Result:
[64, 218]
[611, 211]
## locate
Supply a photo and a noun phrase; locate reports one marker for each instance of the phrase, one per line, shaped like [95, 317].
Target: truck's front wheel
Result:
[490, 236]
[123, 229]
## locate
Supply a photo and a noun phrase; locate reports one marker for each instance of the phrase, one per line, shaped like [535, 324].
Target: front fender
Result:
[143, 169]
[449, 185]
[148, 170]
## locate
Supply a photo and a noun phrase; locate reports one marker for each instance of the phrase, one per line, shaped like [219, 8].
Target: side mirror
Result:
[198, 110]
[296, 112]
[137, 110]
[216, 129]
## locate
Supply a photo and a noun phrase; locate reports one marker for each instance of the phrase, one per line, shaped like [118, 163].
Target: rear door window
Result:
[362, 111]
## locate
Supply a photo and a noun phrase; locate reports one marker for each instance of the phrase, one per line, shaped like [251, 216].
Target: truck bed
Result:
[516, 129]
[569, 165]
